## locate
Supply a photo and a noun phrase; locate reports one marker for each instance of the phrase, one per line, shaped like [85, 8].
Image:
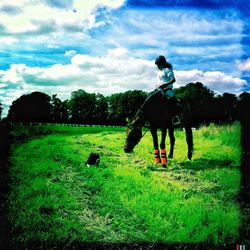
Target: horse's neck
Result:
[146, 110]
[139, 119]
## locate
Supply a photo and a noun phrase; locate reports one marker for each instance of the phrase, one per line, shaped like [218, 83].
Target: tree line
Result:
[92, 108]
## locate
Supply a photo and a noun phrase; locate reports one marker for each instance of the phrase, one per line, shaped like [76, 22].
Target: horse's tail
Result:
[185, 112]
[187, 123]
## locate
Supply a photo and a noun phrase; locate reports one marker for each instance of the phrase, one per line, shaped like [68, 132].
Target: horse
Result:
[157, 110]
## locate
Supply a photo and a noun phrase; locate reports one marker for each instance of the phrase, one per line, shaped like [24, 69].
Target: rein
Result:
[145, 132]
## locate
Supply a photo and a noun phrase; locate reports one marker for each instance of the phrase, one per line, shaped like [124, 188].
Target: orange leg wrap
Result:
[164, 157]
[157, 156]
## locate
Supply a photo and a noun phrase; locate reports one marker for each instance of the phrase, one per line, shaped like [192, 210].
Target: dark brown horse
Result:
[157, 111]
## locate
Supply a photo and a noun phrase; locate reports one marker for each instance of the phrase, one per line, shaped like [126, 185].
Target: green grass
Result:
[56, 198]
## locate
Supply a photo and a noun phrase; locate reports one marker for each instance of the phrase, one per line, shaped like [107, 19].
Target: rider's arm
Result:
[167, 84]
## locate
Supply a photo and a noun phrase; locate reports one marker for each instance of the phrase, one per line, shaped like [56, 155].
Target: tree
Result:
[123, 105]
[229, 105]
[201, 100]
[82, 107]
[1, 110]
[218, 104]
[65, 110]
[243, 106]
[59, 109]
[101, 109]
[34, 107]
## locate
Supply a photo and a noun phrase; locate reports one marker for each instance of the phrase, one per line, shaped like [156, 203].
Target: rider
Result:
[165, 76]
[165, 83]
[164, 89]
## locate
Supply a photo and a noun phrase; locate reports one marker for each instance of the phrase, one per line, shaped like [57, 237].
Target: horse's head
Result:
[133, 136]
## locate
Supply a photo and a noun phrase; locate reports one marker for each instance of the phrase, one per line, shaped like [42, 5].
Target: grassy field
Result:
[55, 197]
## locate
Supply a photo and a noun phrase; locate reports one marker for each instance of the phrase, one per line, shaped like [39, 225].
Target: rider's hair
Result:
[161, 60]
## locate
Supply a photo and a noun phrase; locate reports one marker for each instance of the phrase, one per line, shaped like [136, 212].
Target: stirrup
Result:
[176, 120]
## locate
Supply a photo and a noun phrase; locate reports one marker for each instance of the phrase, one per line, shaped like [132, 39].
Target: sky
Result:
[109, 46]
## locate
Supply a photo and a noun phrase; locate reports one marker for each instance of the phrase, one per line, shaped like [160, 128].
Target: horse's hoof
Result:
[190, 154]
[170, 156]
[164, 165]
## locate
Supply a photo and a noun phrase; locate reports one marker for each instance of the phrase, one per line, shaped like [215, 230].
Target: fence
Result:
[63, 124]
[73, 125]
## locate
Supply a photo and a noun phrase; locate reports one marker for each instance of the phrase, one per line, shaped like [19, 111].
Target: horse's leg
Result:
[189, 139]
[153, 131]
[163, 138]
[163, 147]
[172, 141]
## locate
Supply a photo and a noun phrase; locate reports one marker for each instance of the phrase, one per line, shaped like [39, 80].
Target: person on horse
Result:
[164, 90]
[165, 83]
[160, 110]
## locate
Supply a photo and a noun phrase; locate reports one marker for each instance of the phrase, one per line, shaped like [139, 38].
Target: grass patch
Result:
[56, 198]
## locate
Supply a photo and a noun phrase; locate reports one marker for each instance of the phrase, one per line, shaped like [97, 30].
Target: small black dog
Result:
[94, 159]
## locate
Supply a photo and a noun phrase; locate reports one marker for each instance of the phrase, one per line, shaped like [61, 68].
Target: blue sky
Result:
[109, 46]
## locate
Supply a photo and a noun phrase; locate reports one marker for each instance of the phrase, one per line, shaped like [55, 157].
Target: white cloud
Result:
[215, 80]
[33, 14]
[115, 72]
[70, 53]
[118, 53]
[172, 25]
[7, 40]
[244, 65]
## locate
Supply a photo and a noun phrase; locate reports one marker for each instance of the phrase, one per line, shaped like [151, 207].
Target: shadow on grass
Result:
[197, 164]
[157, 168]
[205, 164]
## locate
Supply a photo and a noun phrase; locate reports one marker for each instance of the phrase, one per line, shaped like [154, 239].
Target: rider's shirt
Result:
[165, 76]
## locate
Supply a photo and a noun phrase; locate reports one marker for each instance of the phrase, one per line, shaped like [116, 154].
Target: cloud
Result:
[190, 38]
[244, 65]
[114, 72]
[215, 80]
[30, 15]
[65, 4]
[8, 40]
[117, 46]
[70, 53]
[116, 69]
[10, 9]
[118, 53]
